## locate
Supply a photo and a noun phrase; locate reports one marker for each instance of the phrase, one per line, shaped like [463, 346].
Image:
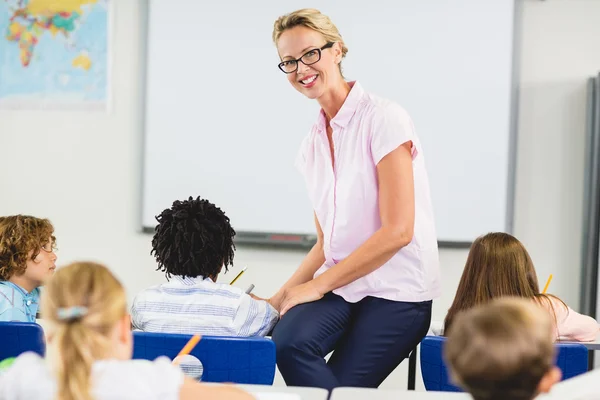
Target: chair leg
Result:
[412, 369]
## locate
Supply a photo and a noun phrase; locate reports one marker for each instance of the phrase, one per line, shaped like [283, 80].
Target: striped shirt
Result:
[16, 304]
[200, 306]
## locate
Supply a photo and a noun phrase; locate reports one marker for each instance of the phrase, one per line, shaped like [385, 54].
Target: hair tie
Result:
[71, 313]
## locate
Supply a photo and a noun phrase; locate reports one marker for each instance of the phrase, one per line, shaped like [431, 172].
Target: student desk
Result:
[591, 346]
[263, 392]
[348, 393]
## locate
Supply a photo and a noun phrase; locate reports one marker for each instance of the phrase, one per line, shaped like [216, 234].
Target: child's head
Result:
[193, 238]
[497, 265]
[27, 247]
[86, 308]
[502, 351]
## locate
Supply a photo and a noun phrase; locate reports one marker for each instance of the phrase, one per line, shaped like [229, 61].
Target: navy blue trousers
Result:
[369, 339]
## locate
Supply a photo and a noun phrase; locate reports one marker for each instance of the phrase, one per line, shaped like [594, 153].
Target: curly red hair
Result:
[21, 235]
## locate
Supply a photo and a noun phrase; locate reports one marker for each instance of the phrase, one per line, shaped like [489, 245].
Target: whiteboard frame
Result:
[302, 241]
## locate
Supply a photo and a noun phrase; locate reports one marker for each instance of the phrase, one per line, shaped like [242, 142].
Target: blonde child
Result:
[502, 351]
[27, 259]
[498, 265]
[90, 349]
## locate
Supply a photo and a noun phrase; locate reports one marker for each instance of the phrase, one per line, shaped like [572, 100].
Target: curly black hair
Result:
[193, 238]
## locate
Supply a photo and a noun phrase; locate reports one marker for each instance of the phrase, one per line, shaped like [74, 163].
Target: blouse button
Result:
[28, 302]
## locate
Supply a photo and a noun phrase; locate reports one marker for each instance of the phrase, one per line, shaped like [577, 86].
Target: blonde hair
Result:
[83, 301]
[312, 19]
[501, 350]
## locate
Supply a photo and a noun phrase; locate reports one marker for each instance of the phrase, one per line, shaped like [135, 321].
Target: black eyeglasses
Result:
[309, 58]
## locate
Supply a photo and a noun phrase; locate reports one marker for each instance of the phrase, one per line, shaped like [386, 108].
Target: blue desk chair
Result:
[572, 360]
[19, 337]
[224, 359]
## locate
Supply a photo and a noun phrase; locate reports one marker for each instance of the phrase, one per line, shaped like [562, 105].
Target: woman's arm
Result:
[305, 272]
[193, 390]
[397, 213]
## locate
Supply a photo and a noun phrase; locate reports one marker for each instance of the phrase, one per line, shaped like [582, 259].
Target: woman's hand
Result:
[274, 301]
[304, 293]
[277, 299]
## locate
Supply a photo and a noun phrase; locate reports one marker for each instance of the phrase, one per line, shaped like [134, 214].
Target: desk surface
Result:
[595, 345]
[278, 392]
[437, 328]
[347, 393]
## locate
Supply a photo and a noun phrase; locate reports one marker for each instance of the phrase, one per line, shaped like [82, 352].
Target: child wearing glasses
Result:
[27, 259]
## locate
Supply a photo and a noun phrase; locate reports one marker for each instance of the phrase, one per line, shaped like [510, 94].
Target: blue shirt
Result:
[16, 304]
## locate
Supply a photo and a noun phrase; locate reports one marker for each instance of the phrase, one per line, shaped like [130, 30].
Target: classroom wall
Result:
[82, 169]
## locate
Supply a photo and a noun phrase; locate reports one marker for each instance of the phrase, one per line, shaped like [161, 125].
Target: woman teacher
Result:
[365, 289]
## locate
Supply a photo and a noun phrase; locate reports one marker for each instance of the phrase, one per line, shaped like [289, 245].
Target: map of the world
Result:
[54, 52]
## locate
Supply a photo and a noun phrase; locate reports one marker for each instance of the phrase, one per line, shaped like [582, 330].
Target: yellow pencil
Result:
[238, 276]
[187, 349]
[547, 283]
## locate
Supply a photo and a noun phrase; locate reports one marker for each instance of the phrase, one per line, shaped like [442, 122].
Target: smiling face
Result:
[320, 76]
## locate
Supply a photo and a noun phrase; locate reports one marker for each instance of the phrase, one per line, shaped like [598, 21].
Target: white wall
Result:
[560, 51]
[82, 170]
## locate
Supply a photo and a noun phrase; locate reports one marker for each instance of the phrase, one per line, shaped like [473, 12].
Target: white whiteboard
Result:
[222, 121]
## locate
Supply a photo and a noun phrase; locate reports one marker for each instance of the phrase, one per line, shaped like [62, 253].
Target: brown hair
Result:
[312, 19]
[83, 301]
[497, 265]
[19, 236]
[501, 351]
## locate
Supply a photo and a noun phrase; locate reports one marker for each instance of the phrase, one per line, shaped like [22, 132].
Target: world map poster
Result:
[54, 53]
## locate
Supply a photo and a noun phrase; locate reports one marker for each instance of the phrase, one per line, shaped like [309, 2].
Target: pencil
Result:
[238, 276]
[187, 348]
[547, 283]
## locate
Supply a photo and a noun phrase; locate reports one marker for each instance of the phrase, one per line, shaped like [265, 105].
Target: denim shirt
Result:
[16, 304]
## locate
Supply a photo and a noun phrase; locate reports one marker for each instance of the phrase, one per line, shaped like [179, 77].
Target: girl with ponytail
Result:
[90, 348]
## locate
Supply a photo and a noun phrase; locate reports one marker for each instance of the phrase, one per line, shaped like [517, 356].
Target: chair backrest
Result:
[433, 368]
[20, 337]
[224, 359]
[572, 359]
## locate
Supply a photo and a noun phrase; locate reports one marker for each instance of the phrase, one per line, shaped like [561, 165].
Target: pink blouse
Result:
[571, 325]
[346, 200]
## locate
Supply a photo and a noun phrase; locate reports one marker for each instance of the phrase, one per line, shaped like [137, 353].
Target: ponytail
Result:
[84, 302]
[74, 363]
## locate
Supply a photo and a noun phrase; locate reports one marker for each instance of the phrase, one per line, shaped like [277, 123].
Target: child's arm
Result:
[578, 327]
[254, 317]
[571, 325]
[136, 322]
[193, 390]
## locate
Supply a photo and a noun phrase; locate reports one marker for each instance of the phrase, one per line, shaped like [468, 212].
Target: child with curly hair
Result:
[27, 259]
[192, 244]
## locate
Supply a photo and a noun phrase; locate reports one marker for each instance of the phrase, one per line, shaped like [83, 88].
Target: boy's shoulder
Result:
[200, 288]
[6, 286]
[7, 293]
[10, 290]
